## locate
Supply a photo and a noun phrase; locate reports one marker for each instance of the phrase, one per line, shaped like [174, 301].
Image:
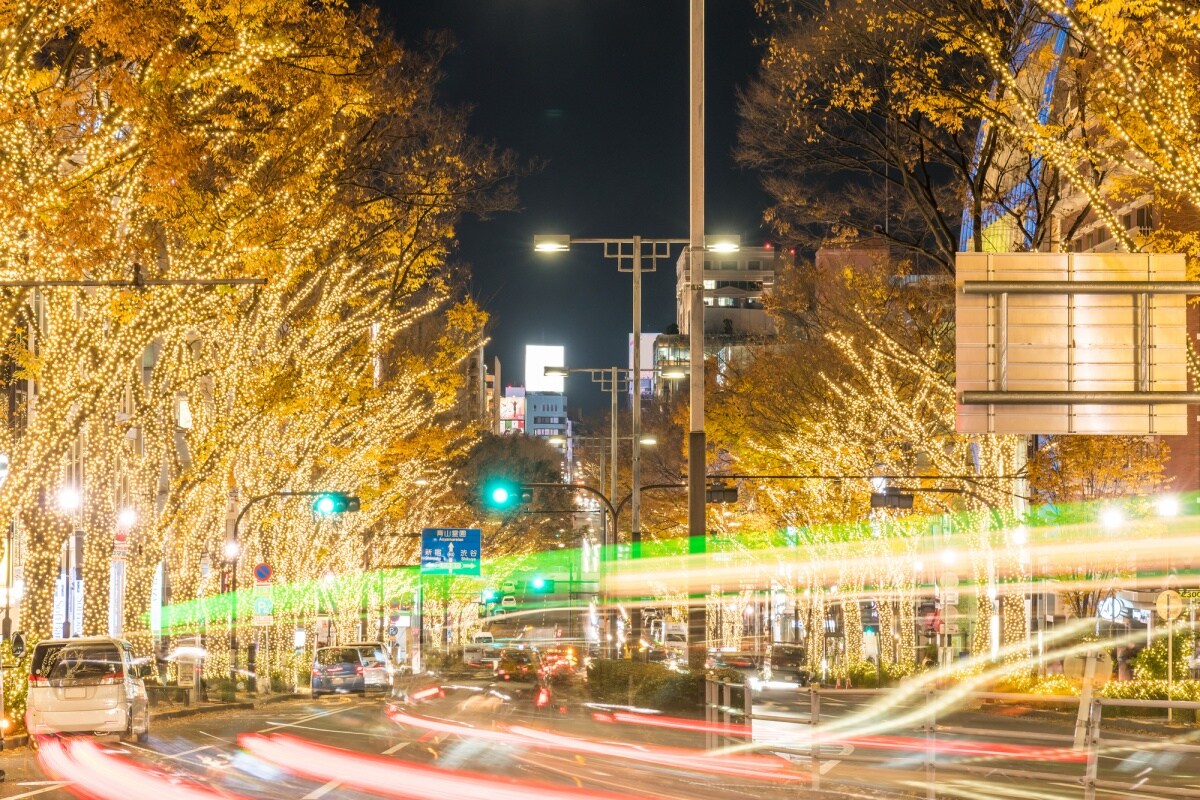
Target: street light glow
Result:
[1167, 506]
[722, 243]
[674, 373]
[556, 372]
[1112, 517]
[648, 440]
[69, 499]
[127, 518]
[232, 550]
[551, 243]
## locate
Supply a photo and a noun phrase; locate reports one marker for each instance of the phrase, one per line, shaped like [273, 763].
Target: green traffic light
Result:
[500, 495]
[325, 504]
[539, 584]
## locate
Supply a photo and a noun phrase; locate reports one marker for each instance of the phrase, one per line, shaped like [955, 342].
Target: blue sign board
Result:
[262, 572]
[450, 551]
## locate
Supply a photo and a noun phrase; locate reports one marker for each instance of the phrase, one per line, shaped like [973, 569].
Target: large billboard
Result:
[512, 414]
[1061, 343]
[537, 358]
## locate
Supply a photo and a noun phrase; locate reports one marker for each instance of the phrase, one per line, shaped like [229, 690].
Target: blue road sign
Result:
[451, 551]
[264, 606]
[262, 572]
[392, 630]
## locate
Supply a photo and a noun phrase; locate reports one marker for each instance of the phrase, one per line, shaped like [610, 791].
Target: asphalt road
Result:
[202, 755]
[981, 751]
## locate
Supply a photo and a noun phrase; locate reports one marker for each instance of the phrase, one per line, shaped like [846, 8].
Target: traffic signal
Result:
[721, 494]
[540, 585]
[891, 497]
[490, 596]
[335, 503]
[505, 495]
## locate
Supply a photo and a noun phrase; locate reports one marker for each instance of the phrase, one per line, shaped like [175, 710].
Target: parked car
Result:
[86, 685]
[786, 662]
[338, 669]
[377, 668]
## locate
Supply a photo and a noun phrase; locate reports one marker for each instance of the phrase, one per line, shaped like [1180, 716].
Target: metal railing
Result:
[729, 712]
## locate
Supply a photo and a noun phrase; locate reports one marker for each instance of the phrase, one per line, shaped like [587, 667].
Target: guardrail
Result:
[729, 712]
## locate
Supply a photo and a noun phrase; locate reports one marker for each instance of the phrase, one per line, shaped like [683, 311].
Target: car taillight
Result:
[111, 679]
[316, 673]
[543, 697]
[38, 680]
[358, 670]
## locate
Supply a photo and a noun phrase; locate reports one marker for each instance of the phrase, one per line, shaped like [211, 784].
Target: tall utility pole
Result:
[697, 629]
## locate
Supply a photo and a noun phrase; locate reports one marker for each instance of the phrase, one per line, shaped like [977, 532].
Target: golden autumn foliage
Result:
[285, 140]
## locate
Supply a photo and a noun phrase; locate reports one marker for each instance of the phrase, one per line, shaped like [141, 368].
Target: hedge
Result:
[637, 683]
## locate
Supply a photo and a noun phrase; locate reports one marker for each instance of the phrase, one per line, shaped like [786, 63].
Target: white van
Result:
[87, 685]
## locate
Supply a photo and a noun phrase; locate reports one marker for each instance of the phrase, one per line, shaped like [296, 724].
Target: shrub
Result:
[636, 683]
[1150, 689]
[1151, 662]
[220, 689]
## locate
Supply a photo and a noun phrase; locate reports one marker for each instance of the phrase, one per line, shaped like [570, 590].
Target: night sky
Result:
[597, 89]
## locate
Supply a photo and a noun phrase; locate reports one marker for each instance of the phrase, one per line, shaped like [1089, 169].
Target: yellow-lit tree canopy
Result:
[291, 141]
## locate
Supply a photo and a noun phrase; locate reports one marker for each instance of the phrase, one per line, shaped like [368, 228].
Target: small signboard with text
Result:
[450, 551]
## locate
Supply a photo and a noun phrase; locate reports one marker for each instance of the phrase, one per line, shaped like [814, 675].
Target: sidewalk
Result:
[1148, 726]
[196, 709]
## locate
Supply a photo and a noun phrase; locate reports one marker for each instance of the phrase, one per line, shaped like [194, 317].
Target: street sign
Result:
[120, 545]
[392, 630]
[450, 551]
[18, 644]
[263, 572]
[394, 604]
[1112, 608]
[1169, 604]
[950, 597]
[264, 609]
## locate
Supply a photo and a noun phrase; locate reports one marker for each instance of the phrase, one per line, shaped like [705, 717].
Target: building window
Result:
[1145, 219]
[725, 302]
[754, 264]
[708, 301]
[710, 284]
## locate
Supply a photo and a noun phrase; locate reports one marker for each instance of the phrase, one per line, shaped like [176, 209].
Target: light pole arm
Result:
[647, 487]
[288, 493]
[608, 503]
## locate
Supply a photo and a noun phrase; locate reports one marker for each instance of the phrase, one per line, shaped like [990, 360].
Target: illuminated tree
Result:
[292, 141]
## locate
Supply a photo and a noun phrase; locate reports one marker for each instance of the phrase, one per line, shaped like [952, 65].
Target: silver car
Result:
[87, 685]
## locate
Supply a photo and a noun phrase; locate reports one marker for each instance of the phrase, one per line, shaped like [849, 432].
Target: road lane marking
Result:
[339, 731]
[161, 754]
[311, 716]
[321, 791]
[38, 791]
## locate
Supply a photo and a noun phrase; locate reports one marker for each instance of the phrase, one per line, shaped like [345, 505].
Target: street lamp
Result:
[69, 499]
[613, 379]
[127, 518]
